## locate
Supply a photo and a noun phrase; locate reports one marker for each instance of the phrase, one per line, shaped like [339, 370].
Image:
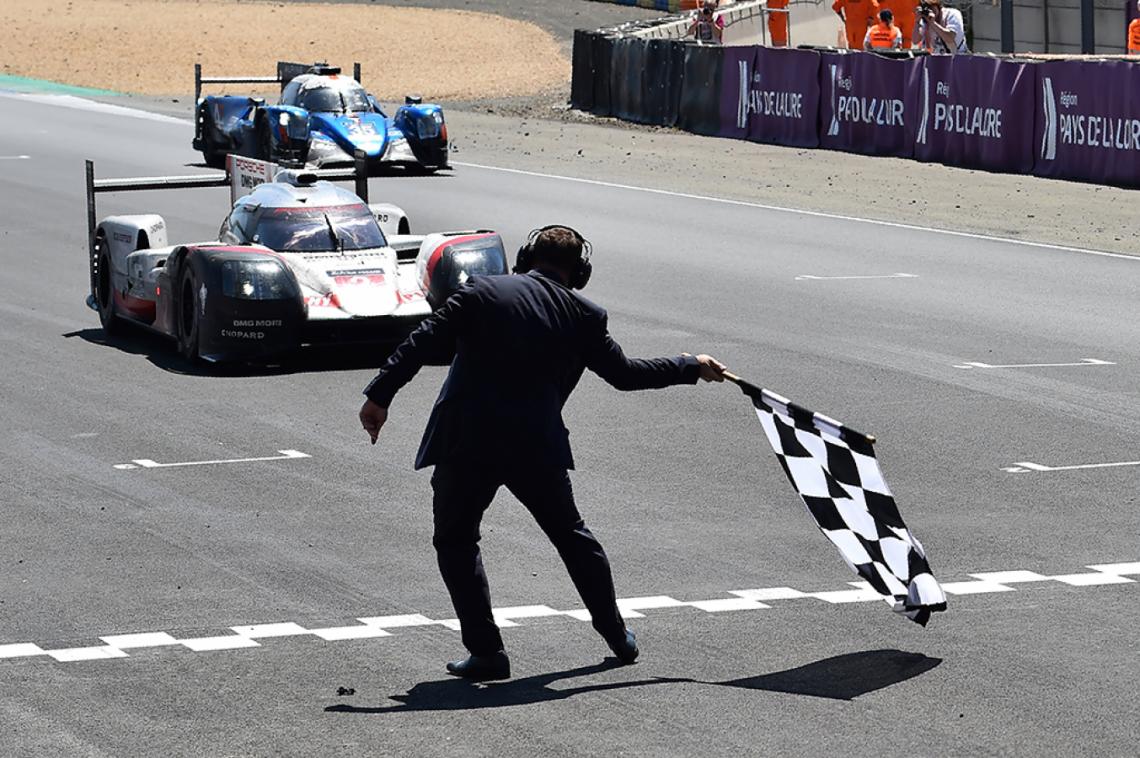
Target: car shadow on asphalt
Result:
[461, 694]
[160, 352]
[841, 677]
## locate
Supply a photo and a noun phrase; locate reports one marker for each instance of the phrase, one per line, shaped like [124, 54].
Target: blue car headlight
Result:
[256, 280]
[429, 125]
[294, 125]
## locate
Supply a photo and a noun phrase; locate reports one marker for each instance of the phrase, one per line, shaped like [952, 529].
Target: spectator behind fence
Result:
[857, 15]
[883, 35]
[903, 11]
[1134, 33]
[707, 27]
[940, 30]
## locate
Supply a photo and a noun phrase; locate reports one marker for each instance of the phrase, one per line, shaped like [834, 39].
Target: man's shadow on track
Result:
[460, 694]
[842, 677]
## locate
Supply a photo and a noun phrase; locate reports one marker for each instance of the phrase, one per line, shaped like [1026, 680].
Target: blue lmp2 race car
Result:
[321, 119]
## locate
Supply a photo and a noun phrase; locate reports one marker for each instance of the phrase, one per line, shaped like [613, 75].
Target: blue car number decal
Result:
[359, 128]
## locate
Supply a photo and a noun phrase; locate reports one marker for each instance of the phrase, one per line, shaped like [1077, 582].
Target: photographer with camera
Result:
[707, 27]
[940, 30]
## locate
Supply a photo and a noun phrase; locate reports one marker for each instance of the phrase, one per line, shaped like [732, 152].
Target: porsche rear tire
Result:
[188, 314]
[105, 298]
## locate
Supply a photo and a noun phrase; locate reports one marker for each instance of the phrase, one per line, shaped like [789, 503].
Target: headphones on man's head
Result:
[580, 276]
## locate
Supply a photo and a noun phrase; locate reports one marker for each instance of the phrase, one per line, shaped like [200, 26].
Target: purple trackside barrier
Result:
[862, 105]
[770, 95]
[974, 112]
[1088, 122]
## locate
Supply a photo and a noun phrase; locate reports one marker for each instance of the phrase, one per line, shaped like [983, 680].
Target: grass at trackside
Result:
[26, 84]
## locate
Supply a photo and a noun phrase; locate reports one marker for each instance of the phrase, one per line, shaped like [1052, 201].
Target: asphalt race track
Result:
[292, 606]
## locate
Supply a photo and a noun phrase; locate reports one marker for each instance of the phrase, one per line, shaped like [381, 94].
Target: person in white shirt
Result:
[940, 30]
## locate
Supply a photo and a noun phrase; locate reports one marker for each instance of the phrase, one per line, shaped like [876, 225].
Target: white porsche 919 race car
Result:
[297, 261]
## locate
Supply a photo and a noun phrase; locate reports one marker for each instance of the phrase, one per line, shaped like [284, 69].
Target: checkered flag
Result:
[834, 470]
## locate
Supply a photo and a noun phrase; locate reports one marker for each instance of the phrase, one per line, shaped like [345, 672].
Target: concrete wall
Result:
[1063, 18]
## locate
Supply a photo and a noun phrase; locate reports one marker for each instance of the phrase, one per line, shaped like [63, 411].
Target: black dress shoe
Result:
[482, 668]
[626, 648]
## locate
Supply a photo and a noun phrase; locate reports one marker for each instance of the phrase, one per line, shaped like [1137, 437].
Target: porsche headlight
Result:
[256, 280]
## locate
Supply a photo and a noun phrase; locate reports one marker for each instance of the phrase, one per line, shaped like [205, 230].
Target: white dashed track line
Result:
[368, 627]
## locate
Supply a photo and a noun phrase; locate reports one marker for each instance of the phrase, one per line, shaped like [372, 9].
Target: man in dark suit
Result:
[517, 346]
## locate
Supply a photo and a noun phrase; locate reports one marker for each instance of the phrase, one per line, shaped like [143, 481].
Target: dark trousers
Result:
[462, 494]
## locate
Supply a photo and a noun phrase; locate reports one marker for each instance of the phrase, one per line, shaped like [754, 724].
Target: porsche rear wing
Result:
[286, 72]
[357, 174]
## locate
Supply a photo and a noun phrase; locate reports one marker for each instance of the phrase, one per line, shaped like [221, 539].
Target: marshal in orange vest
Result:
[1134, 37]
[857, 15]
[778, 22]
[903, 11]
[883, 35]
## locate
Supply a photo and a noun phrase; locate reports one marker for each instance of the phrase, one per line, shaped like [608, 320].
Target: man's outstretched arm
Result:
[608, 360]
[432, 342]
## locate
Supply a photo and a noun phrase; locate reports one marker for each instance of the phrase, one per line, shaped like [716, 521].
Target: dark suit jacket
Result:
[517, 346]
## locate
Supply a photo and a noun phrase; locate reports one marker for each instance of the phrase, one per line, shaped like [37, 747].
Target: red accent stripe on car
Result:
[137, 308]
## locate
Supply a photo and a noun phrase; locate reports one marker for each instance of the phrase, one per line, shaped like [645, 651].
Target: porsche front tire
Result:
[188, 314]
[105, 298]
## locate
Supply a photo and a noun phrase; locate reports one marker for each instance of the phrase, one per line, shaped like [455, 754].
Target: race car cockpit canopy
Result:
[302, 217]
[312, 230]
[326, 94]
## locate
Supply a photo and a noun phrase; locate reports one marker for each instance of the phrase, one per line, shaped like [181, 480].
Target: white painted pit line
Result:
[1081, 362]
[1022, 467]
[148, 463]
[812, 277]
[15, 157]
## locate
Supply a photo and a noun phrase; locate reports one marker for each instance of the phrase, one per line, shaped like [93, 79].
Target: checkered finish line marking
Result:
[251, 635]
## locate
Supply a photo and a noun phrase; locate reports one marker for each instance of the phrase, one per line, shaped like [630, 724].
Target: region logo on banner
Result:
[771, 96]
[864, 104]
[1088, 122]
[973, 112]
